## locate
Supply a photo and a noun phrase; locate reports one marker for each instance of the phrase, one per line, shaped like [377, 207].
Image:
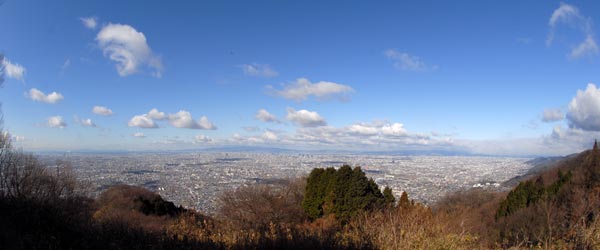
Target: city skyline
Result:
[500, 78]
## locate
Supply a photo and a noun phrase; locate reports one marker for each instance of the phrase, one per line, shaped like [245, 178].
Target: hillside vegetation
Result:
[44, 208]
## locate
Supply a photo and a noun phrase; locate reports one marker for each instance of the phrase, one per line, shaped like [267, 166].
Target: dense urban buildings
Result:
[196, 179]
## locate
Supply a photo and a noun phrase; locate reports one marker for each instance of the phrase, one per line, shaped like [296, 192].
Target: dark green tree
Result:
[388, 196]
[343, 192]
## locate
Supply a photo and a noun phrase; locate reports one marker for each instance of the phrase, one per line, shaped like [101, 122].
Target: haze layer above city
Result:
[501, 78]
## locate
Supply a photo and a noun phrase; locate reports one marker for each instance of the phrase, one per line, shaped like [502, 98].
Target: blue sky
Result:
[493, 77]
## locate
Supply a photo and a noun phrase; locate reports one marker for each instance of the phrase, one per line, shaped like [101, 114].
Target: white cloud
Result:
[396, 129]
[571, 16]
[270, 136]
[139, 135]
[552, 115]
[128, 48]
[305, 118]
[89, 22]
[565, 13]
[56, 122]
[584, 109]
[142, 121]
[255, 69]
[203, 138]
[88, 122]
[381, 129]
[156, 115]
[302, 88]
[102, 110]
[13, 70]
[183, 119]
[587, 47]
[265, 116]
[363, 129]
[404, 61]
[39, 96]
[360, 136]
[84, 122]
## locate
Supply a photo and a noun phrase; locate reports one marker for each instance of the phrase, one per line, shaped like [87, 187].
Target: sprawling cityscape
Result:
[195, 180]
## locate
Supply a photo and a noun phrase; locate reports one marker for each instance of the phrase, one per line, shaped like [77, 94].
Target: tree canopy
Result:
[342, 192]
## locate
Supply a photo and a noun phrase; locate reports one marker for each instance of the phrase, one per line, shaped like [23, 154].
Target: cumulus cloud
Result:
[129, 48]
[302, 88]
[265, 116]
[362, 129]
[183, 119]
[13, 70]
[255, 69]
[203, 139]
[142, 121]
[379, 129]
[89, 22]
[139, 135]
[156, 115]
[88, 122]
[84, 122]
[56, 122]
[584, 109]
[39, 96]
[407, 62]
[305, 118]
[395, 129]
[270, 136]
[380, 135]
[571, 16]
[552, 115]
[102, 110]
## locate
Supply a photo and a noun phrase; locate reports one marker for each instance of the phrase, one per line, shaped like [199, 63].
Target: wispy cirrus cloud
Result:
[571, 16]
[257, 69]
[406, 62]
[89, 22]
